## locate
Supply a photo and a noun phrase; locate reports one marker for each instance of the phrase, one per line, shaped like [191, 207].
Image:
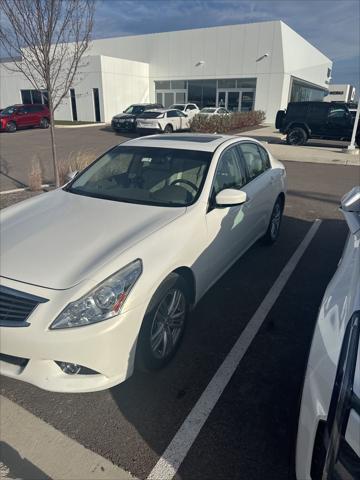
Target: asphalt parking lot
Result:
[250, 434]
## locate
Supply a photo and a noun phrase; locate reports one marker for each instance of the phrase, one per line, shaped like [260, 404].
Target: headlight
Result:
[103, 302]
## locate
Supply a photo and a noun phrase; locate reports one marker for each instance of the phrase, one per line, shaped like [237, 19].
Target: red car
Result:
[22, 116]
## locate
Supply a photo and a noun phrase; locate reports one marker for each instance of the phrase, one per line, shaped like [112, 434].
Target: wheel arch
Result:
[188, 275]
[304, 126]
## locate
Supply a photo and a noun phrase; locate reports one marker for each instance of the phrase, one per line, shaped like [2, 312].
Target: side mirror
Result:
[71, 175]
[350, 207]
[230, 197]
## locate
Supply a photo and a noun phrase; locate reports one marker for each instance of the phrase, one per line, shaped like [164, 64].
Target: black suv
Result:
[326, 120]
[126, 121]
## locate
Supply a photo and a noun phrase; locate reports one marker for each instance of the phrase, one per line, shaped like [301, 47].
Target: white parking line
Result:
[172, 458]
[30, 449]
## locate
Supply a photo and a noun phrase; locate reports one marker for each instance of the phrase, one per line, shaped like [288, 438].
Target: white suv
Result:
[162, 121]
[190, 109]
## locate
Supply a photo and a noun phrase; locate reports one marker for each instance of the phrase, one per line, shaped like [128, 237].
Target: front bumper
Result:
[123, 126]
[108, 348]
[148, 131]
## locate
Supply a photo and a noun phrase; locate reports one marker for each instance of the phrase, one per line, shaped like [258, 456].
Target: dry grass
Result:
[35, 175]
[76, 161]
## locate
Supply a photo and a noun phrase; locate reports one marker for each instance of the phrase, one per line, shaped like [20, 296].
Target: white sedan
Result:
[162, 121]
[98, 277]
[210, 111]
[328, 442]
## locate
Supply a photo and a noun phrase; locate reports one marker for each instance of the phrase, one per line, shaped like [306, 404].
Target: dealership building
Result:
[257, 66]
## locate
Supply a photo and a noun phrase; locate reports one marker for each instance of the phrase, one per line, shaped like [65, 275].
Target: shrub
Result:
[75, 162]
[226, 123]
[35, 175]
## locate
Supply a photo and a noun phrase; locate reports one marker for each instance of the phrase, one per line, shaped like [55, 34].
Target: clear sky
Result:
[330, 25]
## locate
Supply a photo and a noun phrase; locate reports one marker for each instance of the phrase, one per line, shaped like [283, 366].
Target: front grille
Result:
[15, 307]
[19, 361]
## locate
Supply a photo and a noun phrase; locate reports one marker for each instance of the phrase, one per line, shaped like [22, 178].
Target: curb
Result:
[81, 126]
[17, 190]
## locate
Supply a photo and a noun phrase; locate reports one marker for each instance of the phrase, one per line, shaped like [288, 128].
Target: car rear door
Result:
[22, 116]
[339, 122]
[316, 118]
[174, 119]
[261, 188]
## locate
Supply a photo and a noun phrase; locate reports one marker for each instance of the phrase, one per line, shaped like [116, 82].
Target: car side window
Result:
[255, 163]
[230, 172]
[264, 157]
[338, 115]
[172, 113]
[190, 107]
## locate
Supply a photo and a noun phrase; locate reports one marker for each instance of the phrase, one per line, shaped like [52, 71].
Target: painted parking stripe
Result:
[172, 458]
[32, 449]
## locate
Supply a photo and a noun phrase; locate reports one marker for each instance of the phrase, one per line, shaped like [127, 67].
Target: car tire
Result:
[168, 128]
[296, 136]
[11, 127]
[273, 230]
[158, 341]
[44, 123]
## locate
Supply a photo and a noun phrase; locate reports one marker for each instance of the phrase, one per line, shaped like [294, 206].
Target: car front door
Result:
[339, 122]
[261, 189]
[22, 117]
[226, 227]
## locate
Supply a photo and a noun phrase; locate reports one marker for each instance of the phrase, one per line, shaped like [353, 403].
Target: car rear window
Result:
[152, 115]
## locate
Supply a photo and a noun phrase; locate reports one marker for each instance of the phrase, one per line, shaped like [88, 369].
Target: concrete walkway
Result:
[315, 151]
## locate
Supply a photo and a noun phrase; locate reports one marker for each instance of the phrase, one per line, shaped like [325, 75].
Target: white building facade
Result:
[258, 66]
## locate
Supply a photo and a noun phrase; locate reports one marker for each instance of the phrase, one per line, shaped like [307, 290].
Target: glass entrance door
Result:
[229, 100]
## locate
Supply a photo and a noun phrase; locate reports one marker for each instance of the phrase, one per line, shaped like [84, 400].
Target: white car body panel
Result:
[177, 123]
[340, 301]
[59, 246]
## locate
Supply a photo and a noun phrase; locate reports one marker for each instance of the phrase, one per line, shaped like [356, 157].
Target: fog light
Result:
[70, 368]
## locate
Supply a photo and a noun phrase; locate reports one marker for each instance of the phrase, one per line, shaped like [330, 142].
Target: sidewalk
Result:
[315, 151]
[30, 449]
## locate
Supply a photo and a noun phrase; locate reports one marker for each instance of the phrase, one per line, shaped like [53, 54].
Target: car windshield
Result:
[178, 107]
[135, 109]
[145, 175]
[152, 115]
[208, 110]
[8, 111]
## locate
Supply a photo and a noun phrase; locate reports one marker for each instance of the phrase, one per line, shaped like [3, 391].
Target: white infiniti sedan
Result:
[328, 443]
[98, 277]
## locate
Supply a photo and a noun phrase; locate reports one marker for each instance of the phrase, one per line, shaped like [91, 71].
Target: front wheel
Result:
[273, 230]
[163, 325]
[296, 136]
[11, 127]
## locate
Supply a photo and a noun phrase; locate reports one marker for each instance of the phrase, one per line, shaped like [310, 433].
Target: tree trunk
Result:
[53, 145]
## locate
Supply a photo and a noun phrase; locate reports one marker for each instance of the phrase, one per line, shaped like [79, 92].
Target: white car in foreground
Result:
[328, 443]
[99, 276]
[162, 121]
[210, 111]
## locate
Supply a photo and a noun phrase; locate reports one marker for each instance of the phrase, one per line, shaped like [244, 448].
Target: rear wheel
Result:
[44, 123]
[163, 325]
[273, 230]
[11, 127]
[296, 136]
[168, 128]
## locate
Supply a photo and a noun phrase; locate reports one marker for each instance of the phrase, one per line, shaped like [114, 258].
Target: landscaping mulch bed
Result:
[8, 199]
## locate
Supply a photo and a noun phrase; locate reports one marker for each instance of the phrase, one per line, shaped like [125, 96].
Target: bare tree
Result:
[46, 41]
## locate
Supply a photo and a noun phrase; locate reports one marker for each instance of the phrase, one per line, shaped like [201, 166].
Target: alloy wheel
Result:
[168, 323]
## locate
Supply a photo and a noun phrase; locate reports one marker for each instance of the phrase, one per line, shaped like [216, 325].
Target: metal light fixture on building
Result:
[262, 57]
[200, 63]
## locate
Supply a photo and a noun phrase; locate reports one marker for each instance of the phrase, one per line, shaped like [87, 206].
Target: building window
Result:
[73, 104]
[96, 104]
[34, 96]
[162, 85]
[303, 92]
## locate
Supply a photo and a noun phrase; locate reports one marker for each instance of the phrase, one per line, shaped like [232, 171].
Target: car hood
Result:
[58, 239]
[124, 116]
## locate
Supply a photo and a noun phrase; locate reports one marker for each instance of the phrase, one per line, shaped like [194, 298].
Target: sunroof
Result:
[187, 138]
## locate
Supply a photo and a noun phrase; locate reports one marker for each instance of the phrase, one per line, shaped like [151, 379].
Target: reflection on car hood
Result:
[58, 239]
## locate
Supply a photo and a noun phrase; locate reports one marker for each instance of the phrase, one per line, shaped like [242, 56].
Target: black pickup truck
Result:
[324, 120]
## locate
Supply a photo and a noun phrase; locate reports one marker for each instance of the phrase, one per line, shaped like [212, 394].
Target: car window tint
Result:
[172, 113]
[256, 164]
[264, 157]
[229, 173]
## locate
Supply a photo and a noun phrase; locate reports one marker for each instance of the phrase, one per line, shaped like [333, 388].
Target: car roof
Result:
[187, 141]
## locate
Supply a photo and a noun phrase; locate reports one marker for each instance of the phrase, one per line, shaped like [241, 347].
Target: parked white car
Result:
[210, 111]
[328, 442]
[162, 120]
[99, 276]
[190, 109]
